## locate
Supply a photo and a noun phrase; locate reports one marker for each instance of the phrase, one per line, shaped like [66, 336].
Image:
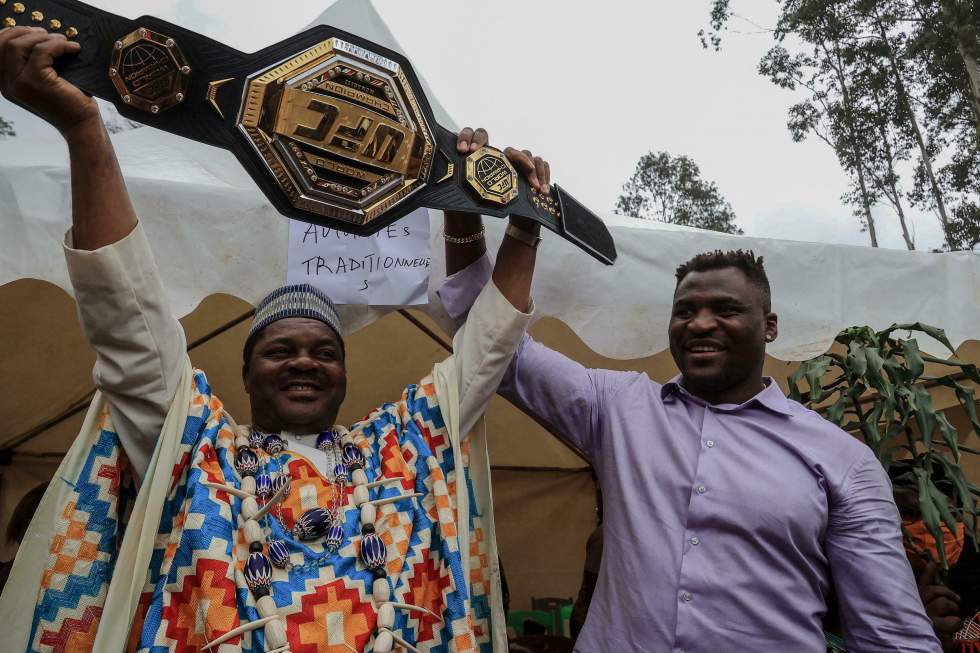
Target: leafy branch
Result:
[879, 389]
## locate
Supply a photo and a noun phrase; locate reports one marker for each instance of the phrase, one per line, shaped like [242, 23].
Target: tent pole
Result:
[426, 330]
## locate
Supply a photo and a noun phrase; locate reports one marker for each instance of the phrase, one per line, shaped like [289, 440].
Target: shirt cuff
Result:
[93, 270]
[459, 291]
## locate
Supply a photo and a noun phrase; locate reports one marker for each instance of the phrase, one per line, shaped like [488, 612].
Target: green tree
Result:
[670, 189]
[894, 87]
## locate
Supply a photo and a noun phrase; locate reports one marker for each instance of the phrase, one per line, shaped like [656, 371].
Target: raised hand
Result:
[28, 78]
[470, 140]
[536, 169]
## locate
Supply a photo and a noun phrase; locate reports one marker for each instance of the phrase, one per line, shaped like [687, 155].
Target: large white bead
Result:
[360, 495]
[386, 616]
[359, 477]
[241, 443]
[249, 508]
[368, 514]
[384, 642]
[275, 634]
[248, 485]
[266, 606]
[253, 533]
[380, 590]
[243, 431]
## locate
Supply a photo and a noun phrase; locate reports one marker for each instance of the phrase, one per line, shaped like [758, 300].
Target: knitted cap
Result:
[298, 300]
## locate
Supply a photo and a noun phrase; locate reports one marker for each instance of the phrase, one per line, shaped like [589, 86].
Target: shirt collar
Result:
[770, 397]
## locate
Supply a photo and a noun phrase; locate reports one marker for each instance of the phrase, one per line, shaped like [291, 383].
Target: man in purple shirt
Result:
[730, 510]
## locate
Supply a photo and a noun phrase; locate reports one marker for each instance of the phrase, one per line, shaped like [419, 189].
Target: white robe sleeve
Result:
[139, 344]
[482, 350]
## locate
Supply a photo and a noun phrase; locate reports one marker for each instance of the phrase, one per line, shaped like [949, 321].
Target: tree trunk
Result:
[890, 188]
[916, 131]
[967, 52]
[855, 141]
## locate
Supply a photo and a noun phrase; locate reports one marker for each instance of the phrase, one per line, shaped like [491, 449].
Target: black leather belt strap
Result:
[341, 133]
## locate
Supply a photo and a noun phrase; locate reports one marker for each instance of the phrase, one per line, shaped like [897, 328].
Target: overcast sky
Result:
[592, 87]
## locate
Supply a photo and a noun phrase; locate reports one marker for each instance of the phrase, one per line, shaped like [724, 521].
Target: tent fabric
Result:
[207, 220]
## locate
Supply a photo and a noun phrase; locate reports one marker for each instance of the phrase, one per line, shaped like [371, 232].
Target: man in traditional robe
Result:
[162, 525]
[729, 510]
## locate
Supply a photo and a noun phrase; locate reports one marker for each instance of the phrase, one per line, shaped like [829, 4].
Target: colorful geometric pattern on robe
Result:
[195, 589]
[83, 550]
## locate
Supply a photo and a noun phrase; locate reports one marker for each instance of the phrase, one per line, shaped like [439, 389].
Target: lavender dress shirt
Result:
[725, 525]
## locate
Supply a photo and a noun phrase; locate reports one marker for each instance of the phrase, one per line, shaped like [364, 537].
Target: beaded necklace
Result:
[264, 478]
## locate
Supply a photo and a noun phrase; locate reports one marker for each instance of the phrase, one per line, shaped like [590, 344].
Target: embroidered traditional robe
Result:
[192, 589]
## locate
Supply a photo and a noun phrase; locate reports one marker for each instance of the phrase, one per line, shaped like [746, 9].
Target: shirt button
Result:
[710, 443]
[686, 597]
[702, 489]
[695, 540]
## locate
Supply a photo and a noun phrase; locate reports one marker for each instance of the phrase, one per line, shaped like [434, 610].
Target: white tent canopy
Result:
[214, 232]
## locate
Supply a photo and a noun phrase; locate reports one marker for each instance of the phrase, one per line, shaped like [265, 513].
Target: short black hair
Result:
[746, 261]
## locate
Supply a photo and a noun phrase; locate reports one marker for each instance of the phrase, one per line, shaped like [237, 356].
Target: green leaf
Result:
[856, 363]
[813, 371]
[963, 489]
[966, 398]
[949, 435]
[942, 505]
[910, 351]
[925, 415]
[835, 413]
[930, 513]
[933, 332]
[874, 375]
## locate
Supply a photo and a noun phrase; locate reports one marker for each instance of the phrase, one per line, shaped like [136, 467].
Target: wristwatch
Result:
[526, 237]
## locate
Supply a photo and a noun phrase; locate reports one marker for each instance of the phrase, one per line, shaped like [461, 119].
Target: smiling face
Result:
[296, 377]
[719, 326]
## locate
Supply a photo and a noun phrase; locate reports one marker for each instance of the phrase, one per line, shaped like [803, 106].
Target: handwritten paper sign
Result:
[389, 268]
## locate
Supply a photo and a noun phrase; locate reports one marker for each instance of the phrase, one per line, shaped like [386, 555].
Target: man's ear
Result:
[772, 327]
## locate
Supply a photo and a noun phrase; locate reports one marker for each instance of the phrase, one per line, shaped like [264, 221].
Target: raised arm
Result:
[554, 389]
[484, 346]
[122, 305]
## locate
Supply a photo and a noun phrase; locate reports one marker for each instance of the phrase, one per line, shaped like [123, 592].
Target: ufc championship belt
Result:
[333, 128]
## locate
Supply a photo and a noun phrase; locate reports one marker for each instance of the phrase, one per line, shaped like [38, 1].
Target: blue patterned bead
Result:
[335, 536]
[353, 456]
[258, 571]
[312, 524]
[255, 438]
[280, 480]
[278, 553]
[246, 462]
[263, 485]
[373, 552]
[325, 440]
[340, 470]
[273, 444]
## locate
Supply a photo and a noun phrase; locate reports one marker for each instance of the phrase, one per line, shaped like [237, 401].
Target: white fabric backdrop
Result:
[213, 231]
